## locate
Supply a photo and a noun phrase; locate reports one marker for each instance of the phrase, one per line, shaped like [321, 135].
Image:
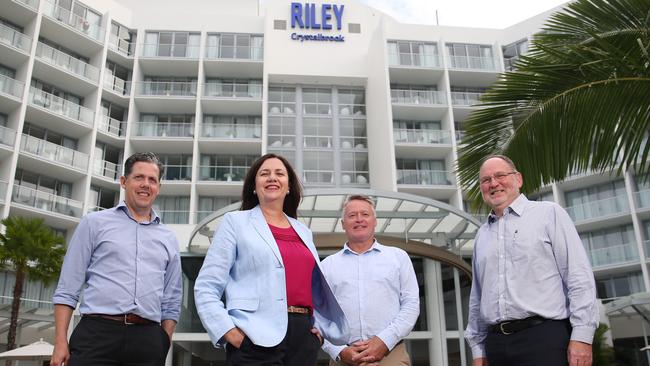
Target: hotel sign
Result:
[317, 16]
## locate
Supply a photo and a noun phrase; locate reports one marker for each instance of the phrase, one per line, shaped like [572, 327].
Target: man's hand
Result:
[316, 332]
[61, 354]
[480, 362]
[168, 326]
[375, 350]
[579, 353]
[235, 337]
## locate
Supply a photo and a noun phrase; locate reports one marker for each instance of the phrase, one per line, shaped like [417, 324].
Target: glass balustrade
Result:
[427, 97]
[231, 131]
[472, 62]
[46, 201]
[417, 136]
[166, 88]
[7, 136]
[222, 173]
[119, 86]
[53, 152]
[166, 50]
[220, 90]
[60, 106]
[177, 172]
[234, 52]
[160, 129]
[106, 169]
[599, 208]
[613, 254]
[11, 87]
[14, 38]
[423, 177]
[80, 24]
[66, 62]
[465, 98]
[112, 126]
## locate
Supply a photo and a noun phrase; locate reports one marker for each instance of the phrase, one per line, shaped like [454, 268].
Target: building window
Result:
[235, 46]
[610, 246]
[512, 52]
[351, 102]
[470, 56]
[316, 101]
[173, 209]
[209, 205]
[282, 100]
[102, 198]
[225, 168]
[177, 166]
[234, 127]
[121, 38]
[611, 287]
[412, 53]
[419, 132]
[424, 172]
[172, 44]
[596, 201]
[233, 88]
[166, 125]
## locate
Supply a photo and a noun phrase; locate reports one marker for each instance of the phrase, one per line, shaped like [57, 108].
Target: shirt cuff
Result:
[478, 351]
[389, 340]
[583, 334]
[62, 300]
[333, 351]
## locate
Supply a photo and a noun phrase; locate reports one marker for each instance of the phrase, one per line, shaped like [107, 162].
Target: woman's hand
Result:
[235, 337]
[317, 333]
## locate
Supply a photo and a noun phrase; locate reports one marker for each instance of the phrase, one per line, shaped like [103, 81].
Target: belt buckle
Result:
[126, 322]
[503, 331]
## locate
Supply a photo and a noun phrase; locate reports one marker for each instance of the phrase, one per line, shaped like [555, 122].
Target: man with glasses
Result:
[533, 298]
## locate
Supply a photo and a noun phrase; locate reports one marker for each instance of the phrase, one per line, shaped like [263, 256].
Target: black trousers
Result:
[298, 348]
[542, 345]
[103, 342]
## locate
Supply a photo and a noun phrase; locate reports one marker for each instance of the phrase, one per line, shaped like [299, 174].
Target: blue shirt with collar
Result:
[530, 262]
[377, 290]
[123, 266]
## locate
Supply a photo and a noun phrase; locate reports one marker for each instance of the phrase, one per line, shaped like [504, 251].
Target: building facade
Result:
[354, 99]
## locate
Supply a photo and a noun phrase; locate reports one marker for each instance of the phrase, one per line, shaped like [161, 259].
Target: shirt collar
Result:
[154, 216]
[374, 246]
[517, 206]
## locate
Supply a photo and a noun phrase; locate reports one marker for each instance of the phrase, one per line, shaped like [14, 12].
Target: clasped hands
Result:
[364, 353]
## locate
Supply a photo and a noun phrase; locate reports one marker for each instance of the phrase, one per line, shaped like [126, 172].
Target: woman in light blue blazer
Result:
[278, 303]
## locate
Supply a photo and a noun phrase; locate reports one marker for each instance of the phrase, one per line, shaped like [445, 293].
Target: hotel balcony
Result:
[14, 46]
[169, 59]
[643, 198]
[46, 201]
[414, 68]
[162, 50]
[61, 107]
[621, 253]
[472, 63]
[318, 177]
[33, 4]
[81, 25]
[472, 71]
[418, 104]
[234, 61]
[120, 46]
[231, 131]
[54, 153]
[177, 172]
[460, 135]
[222, 173]
[12, 89]
[424, 177]
[112, 127]
[7, 137]
[174, 217]
[166, 96]
[116, 85]
[51, 57]
[430, 60]
[465, 99]
[417, 136]
[600, 208]
[164, 129]
[229, 98]
[106, 169]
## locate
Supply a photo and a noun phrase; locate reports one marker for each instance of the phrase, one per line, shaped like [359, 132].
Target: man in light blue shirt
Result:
[533, 298]
[128, 264]
[377, 289]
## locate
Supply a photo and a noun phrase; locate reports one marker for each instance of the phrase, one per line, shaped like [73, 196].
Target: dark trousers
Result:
[103, 342]
[542, 345]
[298, 348]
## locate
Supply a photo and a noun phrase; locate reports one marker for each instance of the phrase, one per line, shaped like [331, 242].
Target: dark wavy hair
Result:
[291, 201]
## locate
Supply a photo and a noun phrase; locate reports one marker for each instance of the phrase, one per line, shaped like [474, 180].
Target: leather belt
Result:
[298, 310]
[126, 319]
[509, 327]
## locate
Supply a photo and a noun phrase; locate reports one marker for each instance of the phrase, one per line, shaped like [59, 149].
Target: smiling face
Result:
[271, 182]
[141, 188]
[499, 193]
[359, 222]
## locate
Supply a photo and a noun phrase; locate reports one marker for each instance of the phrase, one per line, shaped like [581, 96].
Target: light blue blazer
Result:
[244, 262]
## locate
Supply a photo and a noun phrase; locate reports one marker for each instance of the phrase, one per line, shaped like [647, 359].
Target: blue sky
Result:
[464, 13]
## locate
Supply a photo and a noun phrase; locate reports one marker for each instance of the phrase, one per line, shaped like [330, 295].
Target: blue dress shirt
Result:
[378, 291]
[530, 262]
[124, 267]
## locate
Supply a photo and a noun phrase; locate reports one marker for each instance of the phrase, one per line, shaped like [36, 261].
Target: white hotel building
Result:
[376, 106]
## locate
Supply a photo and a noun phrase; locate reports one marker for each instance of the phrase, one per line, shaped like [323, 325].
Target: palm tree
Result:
[578, 101]
[30, 249]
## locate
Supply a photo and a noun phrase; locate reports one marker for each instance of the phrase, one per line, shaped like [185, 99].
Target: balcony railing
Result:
[119, 45]
[416, 136]
[53, 152]
[423, 177]
[643, 198]
[220, 90]
[317, 176]
[174, 217]
[234, 52]
[14, 38]
[3, 190]
[177, 172]
[222, 173]
[163, 129]
[470, 62]
[166, 50]
[413, 59]
[465, 98]
[231, 131]
[61, 106]
[82, 25]
[604, 207]
[106, 169]
[112, 82]
[166, 88]
[7, 136]
[66, 62]
[30, 3]
[614, 254]
[431, 97]
[11, 87]
[112, 126]
[46, 201]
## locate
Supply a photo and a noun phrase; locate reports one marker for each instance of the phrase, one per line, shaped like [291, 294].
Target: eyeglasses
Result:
[499, 177]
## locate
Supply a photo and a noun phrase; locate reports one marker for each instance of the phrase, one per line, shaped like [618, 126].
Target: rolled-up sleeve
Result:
[75, 264]
[170, 306]
[476, 328]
